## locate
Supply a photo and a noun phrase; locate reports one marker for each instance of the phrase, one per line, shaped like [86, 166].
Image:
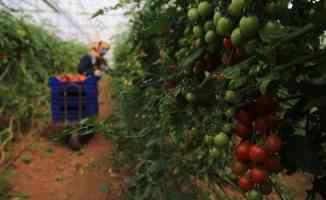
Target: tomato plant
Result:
[273, 61]
[29, 55]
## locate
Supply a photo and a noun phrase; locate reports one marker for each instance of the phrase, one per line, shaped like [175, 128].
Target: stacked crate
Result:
[73, 101]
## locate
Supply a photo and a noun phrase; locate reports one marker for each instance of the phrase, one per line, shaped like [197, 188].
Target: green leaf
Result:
[195, 54]
[232, 72]
[264, 83]
[236, 83]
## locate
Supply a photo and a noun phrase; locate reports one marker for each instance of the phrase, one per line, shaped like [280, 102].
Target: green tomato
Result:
[198, 31]
[236, 37]
[182, 42]
[248, 25]
[271, 27]
[210, 37]
[21, 33]
[228, 127]
[190, 97]
[140, 72]
[236, 7]
[224, 26]
[193, 131]
[209, 25]
[193, 14]
[229, 96]
[215, 153]
[187, 31]
[217, 17]
[205, 8]
[271, 8]
[210, 161]
[229, 112]
[255, 195]
[221, 140]
[277, 9]
[228, 173]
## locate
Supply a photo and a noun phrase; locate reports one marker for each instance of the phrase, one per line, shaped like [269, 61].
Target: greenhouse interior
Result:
[162, 99]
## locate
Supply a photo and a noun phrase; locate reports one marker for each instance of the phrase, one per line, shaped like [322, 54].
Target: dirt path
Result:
[48, 171]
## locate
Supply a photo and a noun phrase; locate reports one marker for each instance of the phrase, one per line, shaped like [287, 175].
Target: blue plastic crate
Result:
[71, 102]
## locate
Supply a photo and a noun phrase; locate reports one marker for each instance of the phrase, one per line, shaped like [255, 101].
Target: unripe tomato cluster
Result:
[236, 28]
[257, 154]
[216, 144]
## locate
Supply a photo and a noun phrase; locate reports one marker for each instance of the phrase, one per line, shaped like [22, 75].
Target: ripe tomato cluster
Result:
[257, 154]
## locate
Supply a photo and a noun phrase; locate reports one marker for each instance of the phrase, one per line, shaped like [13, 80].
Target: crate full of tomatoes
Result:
[73, 97]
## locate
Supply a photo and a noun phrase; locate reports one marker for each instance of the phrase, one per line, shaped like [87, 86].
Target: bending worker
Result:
[93, 63]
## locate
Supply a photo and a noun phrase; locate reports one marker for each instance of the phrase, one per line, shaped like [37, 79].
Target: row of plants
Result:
[229, 92]
[29, 55]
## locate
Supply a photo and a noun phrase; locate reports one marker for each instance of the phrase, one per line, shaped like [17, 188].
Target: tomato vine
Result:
[29, 55]
[255, 78]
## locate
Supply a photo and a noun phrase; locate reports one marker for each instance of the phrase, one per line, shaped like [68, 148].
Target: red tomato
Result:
[3, 56]
[272, 121]
[258, 175]
[242, 151]
[261, 126]
[172, 67]
[171, 84]
[273, 143]
[226, 59]
[227, 43]
[257, 154]
[239, 52]
[242, 131]
[239, 168]
[245, 183]
[266, 104]
[273, 165]
[245, 117]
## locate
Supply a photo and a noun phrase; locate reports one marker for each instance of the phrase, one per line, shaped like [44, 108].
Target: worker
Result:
[94, 62]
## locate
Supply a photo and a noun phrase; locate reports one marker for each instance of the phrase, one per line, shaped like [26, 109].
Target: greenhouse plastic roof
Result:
[71, 19]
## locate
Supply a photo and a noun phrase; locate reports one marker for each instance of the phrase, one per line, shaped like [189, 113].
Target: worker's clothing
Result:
[89, 63]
